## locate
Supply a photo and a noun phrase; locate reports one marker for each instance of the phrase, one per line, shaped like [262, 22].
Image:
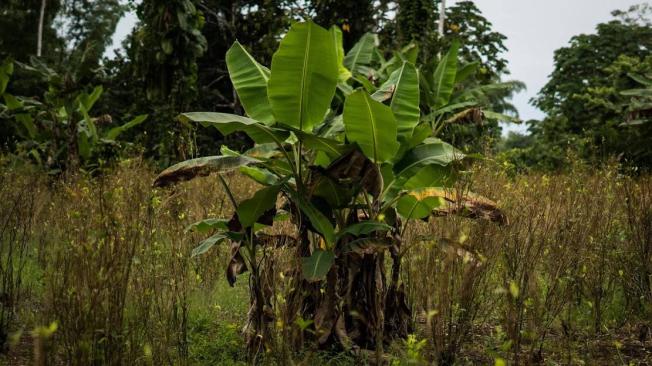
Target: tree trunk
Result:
[442, 17]
[39, 36]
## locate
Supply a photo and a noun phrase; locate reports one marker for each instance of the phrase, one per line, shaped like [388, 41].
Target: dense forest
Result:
[318, 182]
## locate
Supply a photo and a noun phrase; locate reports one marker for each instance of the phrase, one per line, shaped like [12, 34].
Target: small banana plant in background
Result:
[58, 132]
[639, 110]
[346, 151]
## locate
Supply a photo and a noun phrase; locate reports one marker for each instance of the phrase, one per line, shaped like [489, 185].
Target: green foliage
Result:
[342, 174]
[249, 79]
[371, 125]
[318, 264]
[250, 211]
[640, 104]
[300, 102]
[443, 79]
[416, 20]
[361, 54]
[257, 26]
[18, 29]
[414, 352]
[169, 67]
[171, 41]
[403, 86]
[480, 43]
[304, 75]
[584, 100]
[88, 32]
[355, 17]
[58, 131]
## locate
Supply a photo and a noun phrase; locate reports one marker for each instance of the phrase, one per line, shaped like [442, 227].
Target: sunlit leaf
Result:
[403, 89]
[116, 131]
[336, 34]
[444, 77]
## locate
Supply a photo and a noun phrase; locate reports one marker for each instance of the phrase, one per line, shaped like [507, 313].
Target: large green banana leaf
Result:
[361, 54]
[250, 210]
[319, 222]
[432, 152]
[403, 88]
[249, 79]
[304, 76]
[228, 123]
[343, 73]
[318, 264]
[371, 125]
[444, 77]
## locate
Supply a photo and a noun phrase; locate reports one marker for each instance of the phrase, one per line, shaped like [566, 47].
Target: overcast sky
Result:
[534, 30]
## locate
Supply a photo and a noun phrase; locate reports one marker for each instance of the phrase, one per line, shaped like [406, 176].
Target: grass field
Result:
[99, 271]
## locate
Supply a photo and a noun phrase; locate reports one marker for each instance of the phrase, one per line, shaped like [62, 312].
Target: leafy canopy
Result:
[351, 157]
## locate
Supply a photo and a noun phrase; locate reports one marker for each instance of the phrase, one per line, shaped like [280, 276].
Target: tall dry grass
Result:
[567, 280]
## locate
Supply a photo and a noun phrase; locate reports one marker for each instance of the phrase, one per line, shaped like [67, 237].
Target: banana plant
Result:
[349, 175]
[449, 94]
[639, 110]
[59, 131]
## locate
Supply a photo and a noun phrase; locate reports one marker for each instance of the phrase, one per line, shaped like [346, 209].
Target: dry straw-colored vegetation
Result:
[103, 268]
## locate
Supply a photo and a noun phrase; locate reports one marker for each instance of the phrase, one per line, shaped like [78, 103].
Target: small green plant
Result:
[413, 352]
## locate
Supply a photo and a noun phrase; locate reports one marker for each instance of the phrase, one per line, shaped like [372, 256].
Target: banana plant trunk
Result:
[360, 306]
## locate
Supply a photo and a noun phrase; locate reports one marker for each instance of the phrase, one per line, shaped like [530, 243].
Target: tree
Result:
[480, 42]
[582, 96]
[169, 42]
[255, 24]
[355, 18]
[57, 131]
[164, 50]
[19, 27]
[481, 49]
[416, 20]
[89, 27]
[636, 14]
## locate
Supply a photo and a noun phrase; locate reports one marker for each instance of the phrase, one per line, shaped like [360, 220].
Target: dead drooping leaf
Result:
[276, 241]
[364, 246]
[468, 116]
[236, 265]
[385, 94]
[327, 313]
[341, 333]
[200, 167]
[356, 169]
[468, 204]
